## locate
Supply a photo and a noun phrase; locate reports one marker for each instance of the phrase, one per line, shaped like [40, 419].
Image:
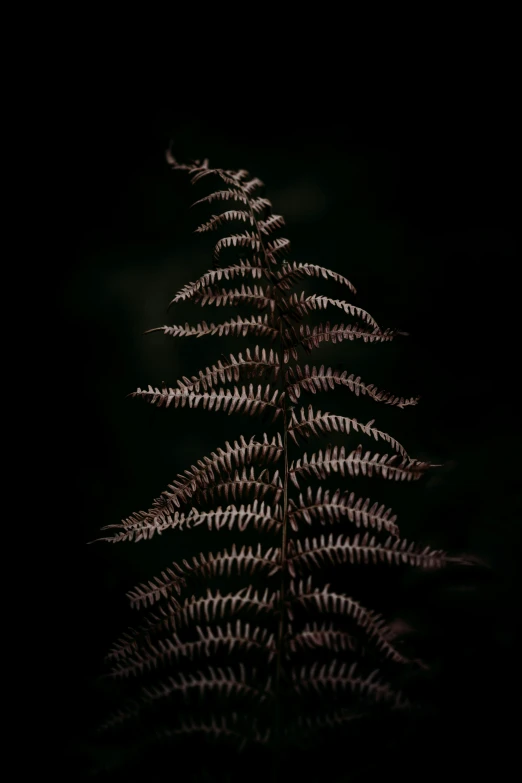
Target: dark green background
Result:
[416, 204]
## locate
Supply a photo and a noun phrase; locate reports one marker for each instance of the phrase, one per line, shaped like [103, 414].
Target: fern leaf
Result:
[237, 400]
[316, 421]
[270, 224]
[224, 681]
[241, 485]
[277, 246]
[245, 560]
[224, 217]
[171, 616]
[238, 240]
[331, 509]
[260, 517]
[260, 204]
[312, 337]
[338, 675]
[223, 195]
[242, 268]
[258, 297]
[258, 363]
[325, 636]
[220, 463]
[210, 641]
[312, 379]
[236, 327]
[302, 305]
[327, 602]
[251, 185]
[336, 459]
[316, 551]
[236, 488]
[294, 271]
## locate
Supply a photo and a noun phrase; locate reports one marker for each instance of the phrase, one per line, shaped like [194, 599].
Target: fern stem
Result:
[281, 630]
[284, 535]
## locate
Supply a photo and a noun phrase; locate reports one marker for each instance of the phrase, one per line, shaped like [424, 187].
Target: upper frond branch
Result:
[221, 463]
[314, 379]
[270, 224]
[261, 517]
[172, 616]
[312, 337]
[244, 400]
[326, 635]
[339, 675]
[231, 215]
[317, 422]
[199, 170]
[324, 507]
[240, 485]
[256, 296]
[235, 327]
[210, 641]
[223, 195]
[365, 549]
[251, 241]
[327, 602]
[356, 463]
[294, 271]
[244, 560]
[213, 276]
[301, 305]
[223, 680]
[255, 364]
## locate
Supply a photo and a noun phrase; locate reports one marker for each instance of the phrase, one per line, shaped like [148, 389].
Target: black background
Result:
[413, 195]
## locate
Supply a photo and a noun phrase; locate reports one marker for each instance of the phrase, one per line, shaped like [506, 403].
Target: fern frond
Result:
[224, 217]
[312, 337]
[237, 400]
[251, 185]
[242, 268]
[312, 379]
[260, 517]
[171, 616]
[210, 641]
[331, 509]
[235, 327]
[236, 488]
[271, 224]
[326, 635]
[327, 602]
[294, 271]
[233, 725]
[260, 204]
[302, 304]
[241, 484]
[224, 681]
[245, 560]
[220, 463]
[277, 247]
[230, 370]
[338, 675]
[228, 177]
[356, 463]
[316, 551]
[316, 421]
[238, 240]
[223, 195]
[258, 297]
